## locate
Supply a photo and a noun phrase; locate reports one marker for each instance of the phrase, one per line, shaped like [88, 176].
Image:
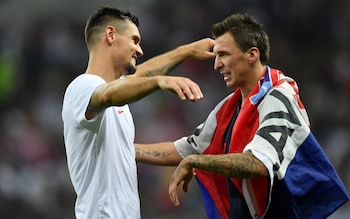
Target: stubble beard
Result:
[130, 69]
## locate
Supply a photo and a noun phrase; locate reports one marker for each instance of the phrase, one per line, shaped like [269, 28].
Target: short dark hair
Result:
[103, 17]
[246, 31]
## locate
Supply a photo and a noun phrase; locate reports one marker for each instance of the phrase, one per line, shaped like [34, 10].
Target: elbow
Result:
[262, 170]
[256, 168]
[110, 98]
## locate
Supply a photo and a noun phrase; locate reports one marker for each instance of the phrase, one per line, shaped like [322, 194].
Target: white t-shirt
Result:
[100, 155]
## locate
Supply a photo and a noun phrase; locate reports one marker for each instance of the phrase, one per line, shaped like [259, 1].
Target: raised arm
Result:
[164, 63]
[134, 87]
[130, 89]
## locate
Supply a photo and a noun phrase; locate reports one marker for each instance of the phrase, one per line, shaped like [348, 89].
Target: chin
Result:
[230, 85]
[130, 69]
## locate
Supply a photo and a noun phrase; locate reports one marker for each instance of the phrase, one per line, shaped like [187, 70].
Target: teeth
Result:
[225, 75]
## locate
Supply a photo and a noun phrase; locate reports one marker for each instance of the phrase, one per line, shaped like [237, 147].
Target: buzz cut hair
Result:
[107, 16]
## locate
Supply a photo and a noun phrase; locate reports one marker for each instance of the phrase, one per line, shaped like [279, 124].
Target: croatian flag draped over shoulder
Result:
[273, 123]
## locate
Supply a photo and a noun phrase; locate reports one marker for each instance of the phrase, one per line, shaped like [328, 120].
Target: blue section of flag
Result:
[311, 187]
[265, 86]
[210, 207]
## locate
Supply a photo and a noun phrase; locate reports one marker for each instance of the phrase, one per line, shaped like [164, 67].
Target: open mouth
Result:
[135, 59]
[225, 75]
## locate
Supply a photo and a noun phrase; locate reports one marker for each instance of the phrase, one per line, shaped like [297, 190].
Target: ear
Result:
[110, 34]
[253, 54]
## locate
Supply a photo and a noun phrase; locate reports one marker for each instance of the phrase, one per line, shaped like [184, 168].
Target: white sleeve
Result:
[78, 94]
[282, 129]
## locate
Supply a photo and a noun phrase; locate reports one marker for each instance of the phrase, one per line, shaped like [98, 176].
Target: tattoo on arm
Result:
[243, 165]
[152, 154]
[162, 70]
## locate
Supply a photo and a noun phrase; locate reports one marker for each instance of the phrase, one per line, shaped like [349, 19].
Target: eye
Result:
[221, 54]
[136, 40]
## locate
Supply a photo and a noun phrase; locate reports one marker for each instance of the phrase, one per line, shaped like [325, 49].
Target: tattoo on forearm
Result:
[143, 153]
[163, 70]
[245, 166]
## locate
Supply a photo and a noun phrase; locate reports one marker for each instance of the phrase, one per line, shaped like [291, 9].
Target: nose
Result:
[139, 51]
[218, 64]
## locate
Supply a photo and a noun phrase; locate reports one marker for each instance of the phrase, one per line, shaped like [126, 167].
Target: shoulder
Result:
[277, 97]
[283, 102]
[86, 79]
[84, 83]
[286, 87]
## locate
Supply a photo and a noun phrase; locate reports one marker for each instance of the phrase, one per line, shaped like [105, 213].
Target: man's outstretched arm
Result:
[161, 154]
[166, 62]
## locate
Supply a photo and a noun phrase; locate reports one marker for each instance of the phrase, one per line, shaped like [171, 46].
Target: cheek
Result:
[237, 64]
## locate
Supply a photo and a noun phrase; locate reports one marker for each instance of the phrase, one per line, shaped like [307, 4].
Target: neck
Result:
[257, 73]
[101, 65]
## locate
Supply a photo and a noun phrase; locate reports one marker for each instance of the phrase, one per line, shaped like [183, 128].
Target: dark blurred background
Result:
[42, 49]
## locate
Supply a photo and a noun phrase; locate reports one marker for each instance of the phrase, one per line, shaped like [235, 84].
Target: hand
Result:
[181, 86]
[202, 49]
[182, 173]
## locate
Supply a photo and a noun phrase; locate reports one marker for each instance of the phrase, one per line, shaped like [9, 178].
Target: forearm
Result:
[127, 90]
[162, 154]
[237, 165]
[162, 64]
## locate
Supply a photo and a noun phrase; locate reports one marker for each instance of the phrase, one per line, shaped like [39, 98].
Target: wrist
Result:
[184, 52]
[190, 161]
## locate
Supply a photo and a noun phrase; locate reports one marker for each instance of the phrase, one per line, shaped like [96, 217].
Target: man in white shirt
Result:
[98, 125]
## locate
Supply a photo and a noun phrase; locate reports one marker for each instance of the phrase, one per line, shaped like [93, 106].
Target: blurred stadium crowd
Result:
[42, 49]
